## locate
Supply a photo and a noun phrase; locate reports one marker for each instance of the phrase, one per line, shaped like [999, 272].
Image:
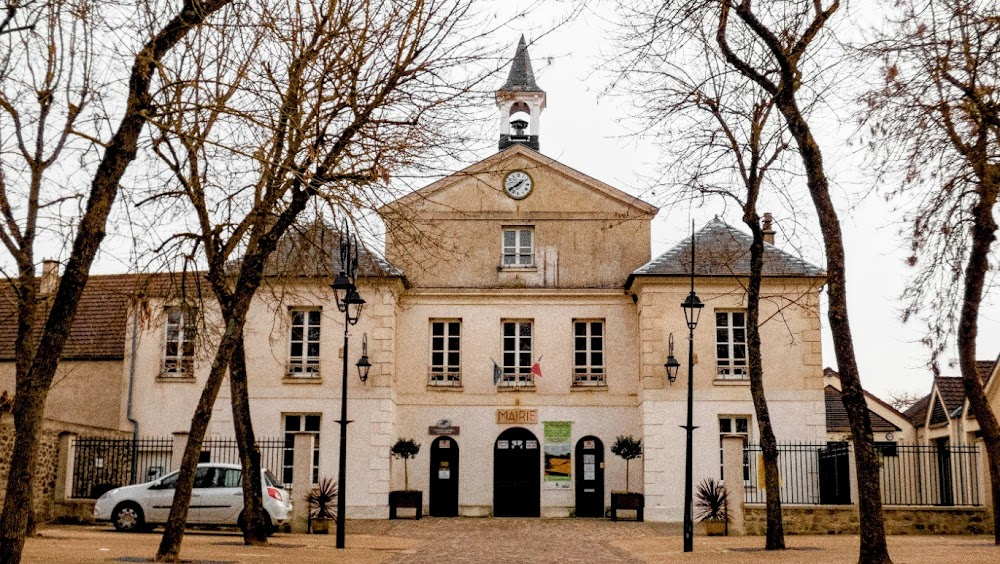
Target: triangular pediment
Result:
[477, 191]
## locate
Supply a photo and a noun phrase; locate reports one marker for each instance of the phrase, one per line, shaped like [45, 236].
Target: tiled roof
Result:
[521, 77]
[99, 328]
[917, 413]
[723, 250]
[836, 415]
[952, 391]
[985, 369]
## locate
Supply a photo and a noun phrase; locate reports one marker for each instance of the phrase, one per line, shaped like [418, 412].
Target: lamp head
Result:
[692, 310]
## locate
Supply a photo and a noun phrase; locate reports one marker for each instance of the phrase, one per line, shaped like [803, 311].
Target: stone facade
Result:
[836, 520]
[48, 462]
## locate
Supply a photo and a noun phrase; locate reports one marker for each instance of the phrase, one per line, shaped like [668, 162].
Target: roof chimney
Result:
[50, 276]
[766, 227]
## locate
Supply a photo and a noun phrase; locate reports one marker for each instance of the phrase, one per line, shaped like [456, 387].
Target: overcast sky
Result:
[589, 130]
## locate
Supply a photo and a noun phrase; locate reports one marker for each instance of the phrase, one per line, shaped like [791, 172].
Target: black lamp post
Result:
[692, 311]
[350, 303]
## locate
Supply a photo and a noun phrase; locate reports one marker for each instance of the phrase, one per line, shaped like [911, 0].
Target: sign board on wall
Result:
[443, 427]
[517, 416]
[558, 463]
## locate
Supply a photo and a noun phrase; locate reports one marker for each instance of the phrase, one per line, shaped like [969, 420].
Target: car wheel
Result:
[241, 523]
[127, 517]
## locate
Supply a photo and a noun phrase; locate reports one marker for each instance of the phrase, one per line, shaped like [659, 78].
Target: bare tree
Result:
[934, 127]
[777, 46]
[721, 137]
[62, 51]
[338, 97]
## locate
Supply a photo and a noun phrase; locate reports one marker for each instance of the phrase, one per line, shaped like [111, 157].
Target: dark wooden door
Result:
[947, 496]
[517, 474]
[589, 477]
[444, 477]
[834, 474]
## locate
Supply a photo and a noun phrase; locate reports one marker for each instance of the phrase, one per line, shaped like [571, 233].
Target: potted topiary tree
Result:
[627, 448]
[322, 506]
[711, 501]
[405, 449]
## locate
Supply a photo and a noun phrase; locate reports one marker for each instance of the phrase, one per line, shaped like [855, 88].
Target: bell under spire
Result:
[520, 102]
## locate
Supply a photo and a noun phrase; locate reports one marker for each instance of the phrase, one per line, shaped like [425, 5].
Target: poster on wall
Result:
[558, 446]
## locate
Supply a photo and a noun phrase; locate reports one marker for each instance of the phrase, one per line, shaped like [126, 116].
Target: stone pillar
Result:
[732, 460]
[177, 454]
[852, 470]
[984, 484]
[64, 469]
[301, 481]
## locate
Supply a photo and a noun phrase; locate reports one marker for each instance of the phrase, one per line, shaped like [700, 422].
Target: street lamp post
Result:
[350, 303]
[692, 311]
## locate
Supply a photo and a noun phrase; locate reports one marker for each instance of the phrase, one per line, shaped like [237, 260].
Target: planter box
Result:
[714, 527]
[629, 501]
[321, 526]
[402, 498]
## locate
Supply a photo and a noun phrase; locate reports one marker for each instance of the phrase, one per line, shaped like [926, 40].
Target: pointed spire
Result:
[521, 77]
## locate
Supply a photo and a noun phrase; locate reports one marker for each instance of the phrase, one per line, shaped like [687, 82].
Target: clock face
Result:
[517, 184]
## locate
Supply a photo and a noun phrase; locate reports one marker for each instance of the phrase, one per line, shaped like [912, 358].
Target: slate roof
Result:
[917, 413]
[723, 250]
[314, 250]
[99, 328]
[836, 415]
[521, 77]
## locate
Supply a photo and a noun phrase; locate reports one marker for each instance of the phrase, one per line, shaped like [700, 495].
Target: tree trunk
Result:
[173, 534]
[248, 281]
[255, 523]
[983, 235]
[29, 404]
[775, 539]
[873, 548]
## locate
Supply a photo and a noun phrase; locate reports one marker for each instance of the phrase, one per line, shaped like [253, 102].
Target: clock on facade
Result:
[517, 184]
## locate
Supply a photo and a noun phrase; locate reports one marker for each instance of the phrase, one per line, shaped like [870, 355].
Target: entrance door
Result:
[944, 471]
[444, 477]
[834, 474]
[517, 474]
[589, 477]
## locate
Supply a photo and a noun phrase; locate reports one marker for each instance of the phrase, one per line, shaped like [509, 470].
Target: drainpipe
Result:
[131, 380]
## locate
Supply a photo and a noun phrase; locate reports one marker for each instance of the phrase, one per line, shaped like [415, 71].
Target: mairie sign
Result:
[517, 416]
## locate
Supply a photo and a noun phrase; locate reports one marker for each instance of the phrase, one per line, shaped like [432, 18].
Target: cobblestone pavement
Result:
[488, 541]
[569, 541]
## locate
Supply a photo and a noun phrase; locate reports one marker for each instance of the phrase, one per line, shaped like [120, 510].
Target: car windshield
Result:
[270, 480]
[169, 481]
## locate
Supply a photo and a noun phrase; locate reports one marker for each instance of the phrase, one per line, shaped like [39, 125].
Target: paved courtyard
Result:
[492, 540]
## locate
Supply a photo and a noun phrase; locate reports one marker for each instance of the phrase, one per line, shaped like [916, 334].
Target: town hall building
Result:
[517, 324]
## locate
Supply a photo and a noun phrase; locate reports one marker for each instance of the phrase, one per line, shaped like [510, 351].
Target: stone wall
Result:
[48, 460]
[843, 519]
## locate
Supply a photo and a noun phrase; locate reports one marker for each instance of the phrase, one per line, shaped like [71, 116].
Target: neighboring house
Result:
[889, 425]
[517, 325]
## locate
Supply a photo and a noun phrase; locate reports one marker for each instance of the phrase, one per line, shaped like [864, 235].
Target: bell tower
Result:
[520, 102]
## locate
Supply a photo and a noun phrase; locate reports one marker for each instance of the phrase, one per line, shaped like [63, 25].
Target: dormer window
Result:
[518, 247]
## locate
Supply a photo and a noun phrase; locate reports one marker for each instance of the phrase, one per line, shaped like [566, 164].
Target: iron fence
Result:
[104, 463]
[911, 475]
[227, 451]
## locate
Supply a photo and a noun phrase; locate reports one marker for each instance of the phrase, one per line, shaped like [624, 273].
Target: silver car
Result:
[217, 499]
